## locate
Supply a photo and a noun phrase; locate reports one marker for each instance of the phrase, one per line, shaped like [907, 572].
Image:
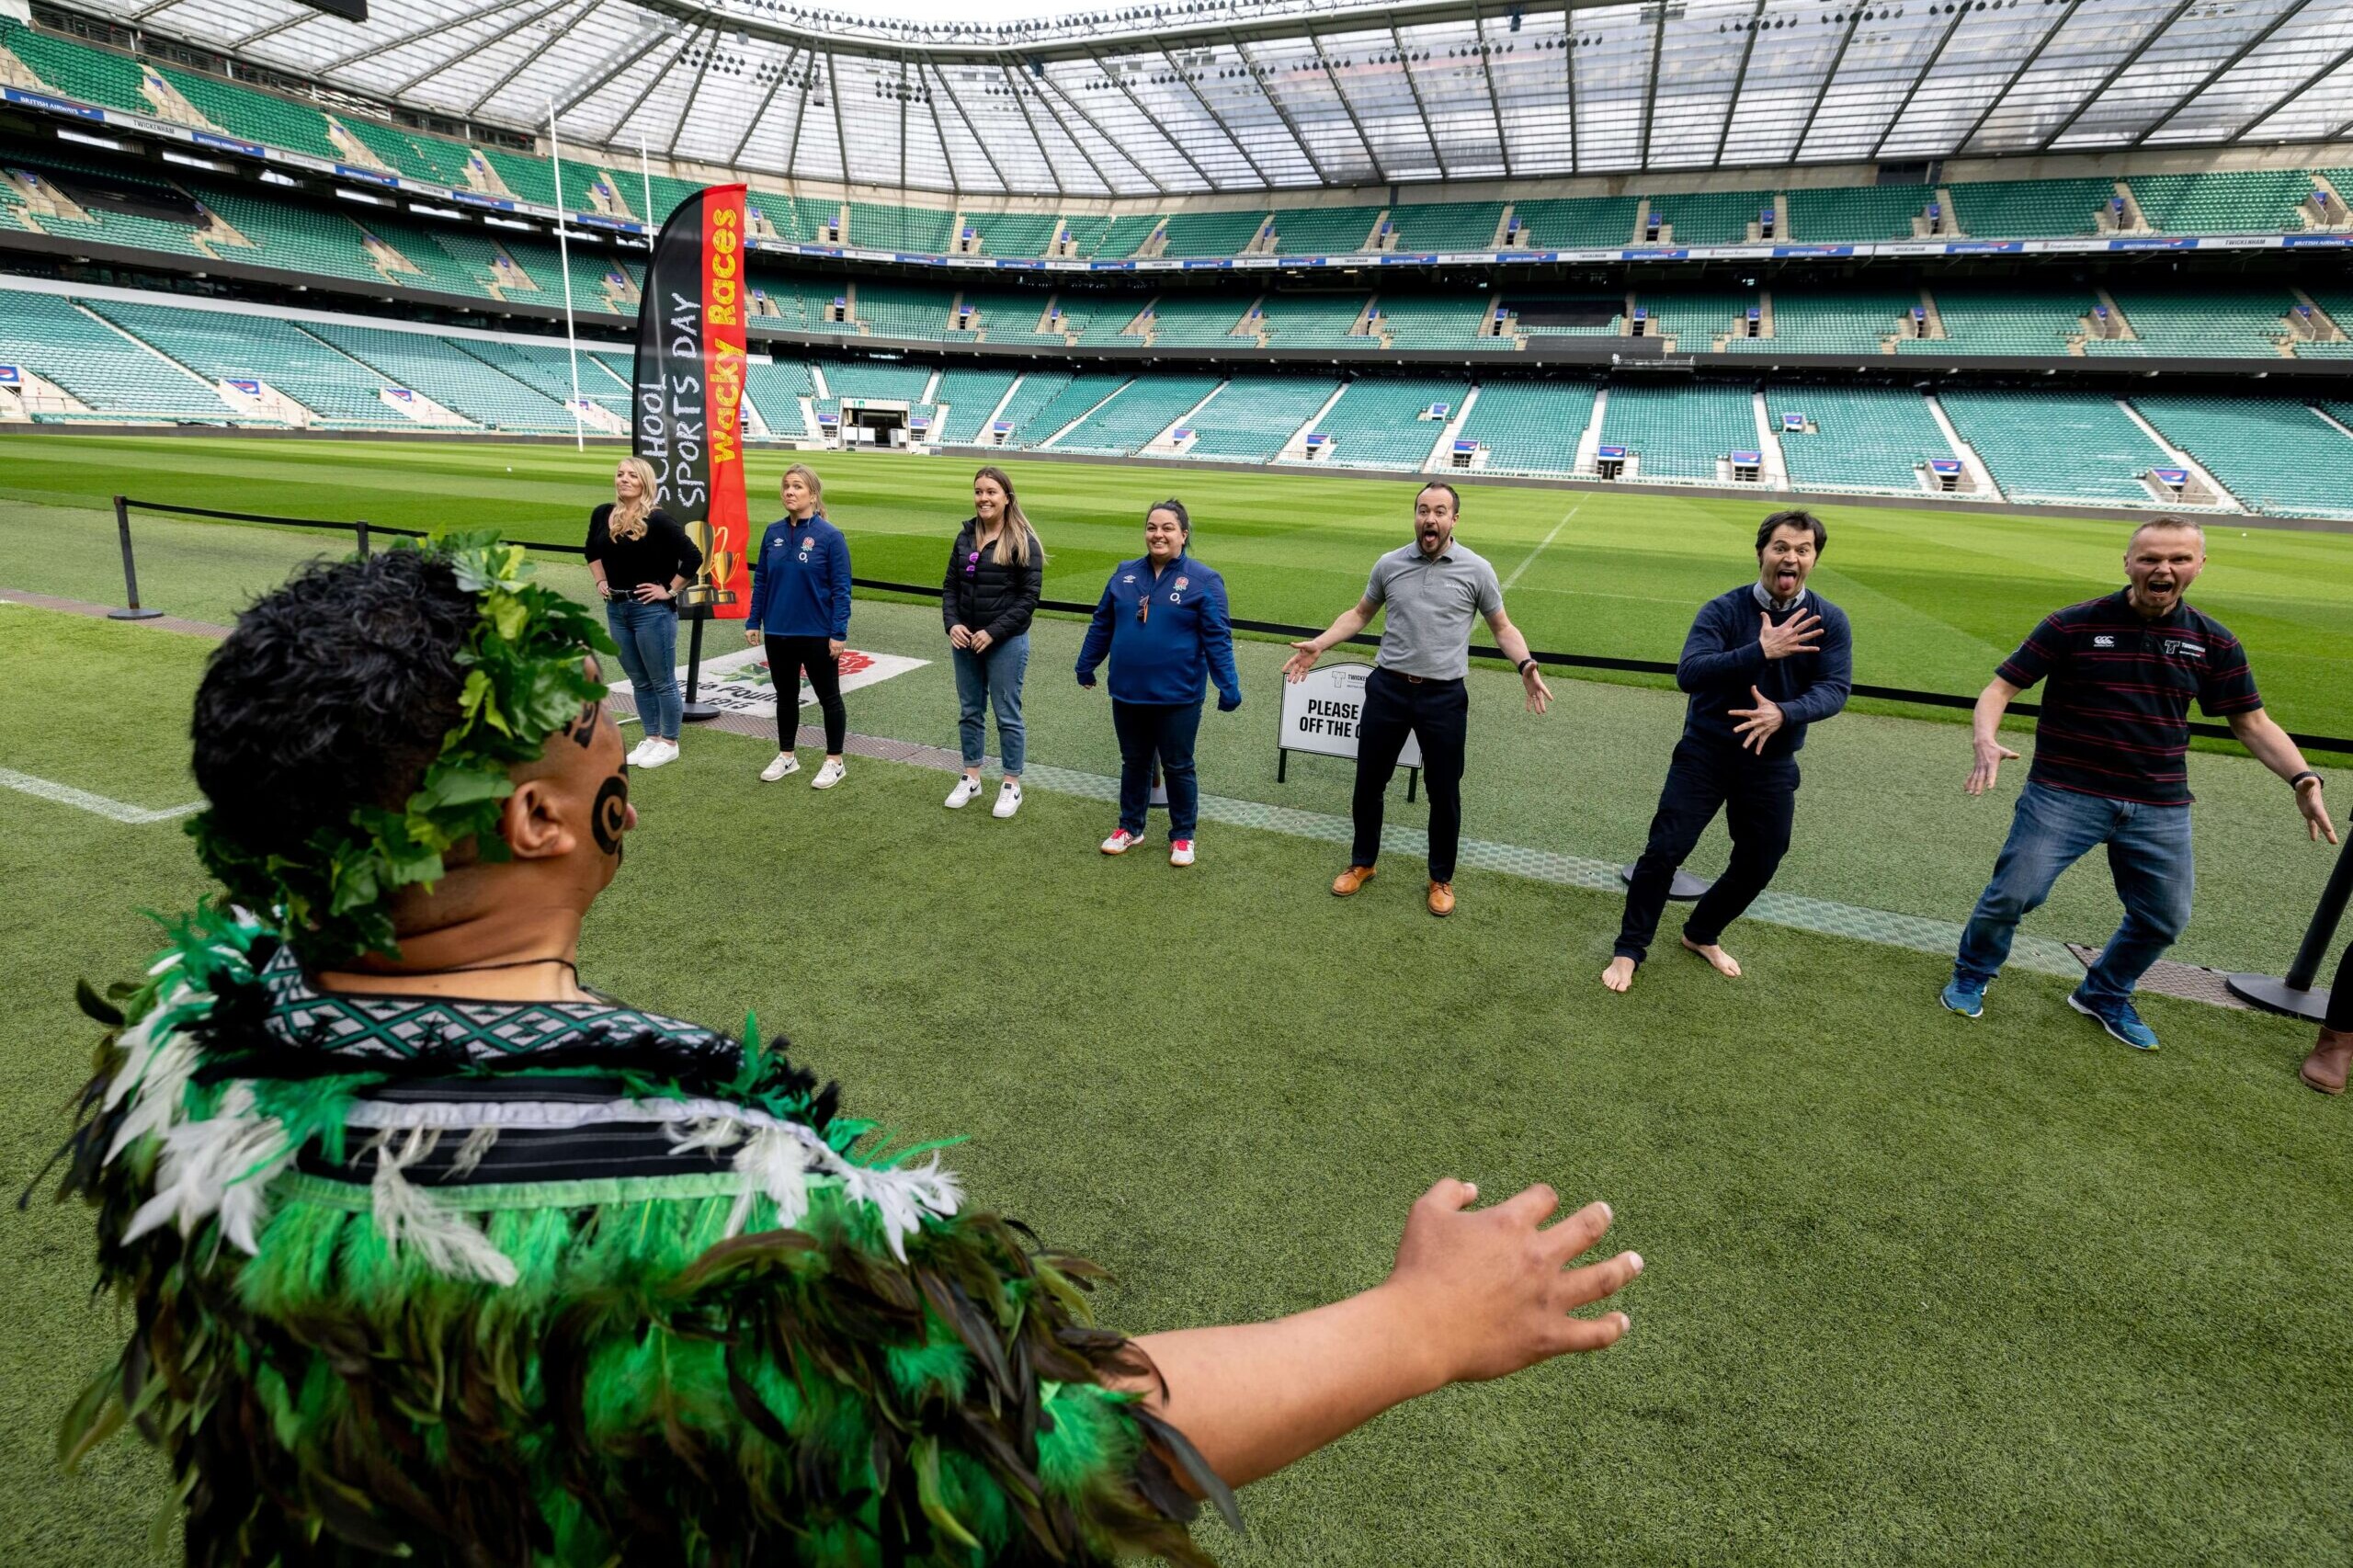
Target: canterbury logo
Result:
[2103, 641]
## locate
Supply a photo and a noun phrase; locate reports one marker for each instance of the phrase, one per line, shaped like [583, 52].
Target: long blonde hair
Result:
[808, 477]
[1014, 533]
[628, 518]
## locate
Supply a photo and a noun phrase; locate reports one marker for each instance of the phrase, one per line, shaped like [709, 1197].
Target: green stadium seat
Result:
[1211, 233]
[1013, 235]
[2031, 209]
[1710, 218]
[1444, 225]
[1379, 422]
[452, 372]
[2274, 453]
[1251, 417]
[1855, 214]
[2210, 320]
[1048, 400]
[1578, 222]
[1322, 230]
[874, 379]
[105, 368]
[2003, 319]
[970, 397]
[227, 345]
[1315, 320]
[1678, 432]
[2055, 446]
[2227, 201]
[1529, 426]
[1868, 438]
[1136, 413]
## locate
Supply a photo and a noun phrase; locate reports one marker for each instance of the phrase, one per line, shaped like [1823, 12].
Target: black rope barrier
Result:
[124, 504]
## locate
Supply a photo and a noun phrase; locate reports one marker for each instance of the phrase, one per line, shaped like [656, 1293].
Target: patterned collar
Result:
[449, 1033]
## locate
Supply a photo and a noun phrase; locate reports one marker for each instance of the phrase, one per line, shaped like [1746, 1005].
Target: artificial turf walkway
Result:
[1920, 1290]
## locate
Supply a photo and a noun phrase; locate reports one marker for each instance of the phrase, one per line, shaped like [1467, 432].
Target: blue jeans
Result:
[992, 680]
[648, 635]
[2148, 854]
[1168, 731]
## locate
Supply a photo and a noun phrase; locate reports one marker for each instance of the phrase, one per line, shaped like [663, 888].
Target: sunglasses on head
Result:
[972, 564]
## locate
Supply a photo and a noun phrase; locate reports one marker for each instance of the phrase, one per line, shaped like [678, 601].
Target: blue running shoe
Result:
[2118, 1019]
[1963, 995]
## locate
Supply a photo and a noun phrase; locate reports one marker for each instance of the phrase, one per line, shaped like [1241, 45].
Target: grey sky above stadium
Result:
[1240, 95]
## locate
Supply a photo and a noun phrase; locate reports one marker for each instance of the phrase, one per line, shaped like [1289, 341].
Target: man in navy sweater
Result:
[1762, 663]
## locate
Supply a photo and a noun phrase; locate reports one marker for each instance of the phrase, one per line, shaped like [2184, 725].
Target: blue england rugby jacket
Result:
[801, 580]
[1171, 654]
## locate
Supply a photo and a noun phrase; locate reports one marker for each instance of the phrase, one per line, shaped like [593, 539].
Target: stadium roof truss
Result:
[1206, 96]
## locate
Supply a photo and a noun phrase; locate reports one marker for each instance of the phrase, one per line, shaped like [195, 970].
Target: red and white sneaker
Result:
[1122, 842]
[1180, 852]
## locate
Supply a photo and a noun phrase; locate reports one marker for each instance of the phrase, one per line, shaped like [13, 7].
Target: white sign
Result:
[739, 683]
[1321, 713]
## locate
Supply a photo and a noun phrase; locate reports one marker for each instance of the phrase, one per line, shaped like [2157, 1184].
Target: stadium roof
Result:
[1240, 95]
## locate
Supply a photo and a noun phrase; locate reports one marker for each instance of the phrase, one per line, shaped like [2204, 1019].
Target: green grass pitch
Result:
[1920, 1292]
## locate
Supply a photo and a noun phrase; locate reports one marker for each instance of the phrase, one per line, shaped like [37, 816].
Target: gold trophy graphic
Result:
[717, 565]
[698, 599]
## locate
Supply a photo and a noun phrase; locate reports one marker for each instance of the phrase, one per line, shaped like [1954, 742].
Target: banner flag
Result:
[689, 411]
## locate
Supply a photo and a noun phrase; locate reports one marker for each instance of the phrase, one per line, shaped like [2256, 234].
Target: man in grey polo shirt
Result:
[1432, 587]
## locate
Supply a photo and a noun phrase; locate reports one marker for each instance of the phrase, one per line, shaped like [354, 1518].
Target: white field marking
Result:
[82, 800]
[1539, 549]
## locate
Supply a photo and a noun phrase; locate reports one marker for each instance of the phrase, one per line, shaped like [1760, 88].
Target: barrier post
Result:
[129, 568]
[361, 529]
[2295, 994]
[691, 710]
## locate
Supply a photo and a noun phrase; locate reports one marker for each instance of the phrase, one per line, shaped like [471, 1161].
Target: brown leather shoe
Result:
[1348, 883]
[1441, 898]
[2332, 1057]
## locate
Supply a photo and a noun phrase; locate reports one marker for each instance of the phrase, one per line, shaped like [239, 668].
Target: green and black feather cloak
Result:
[542, 1283]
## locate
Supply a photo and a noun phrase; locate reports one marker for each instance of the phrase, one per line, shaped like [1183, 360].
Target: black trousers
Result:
[1758, 797]
[788, 656]
[1437, 713]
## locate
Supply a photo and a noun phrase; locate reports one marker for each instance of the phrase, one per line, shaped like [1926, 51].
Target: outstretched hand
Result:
[1991, 754]
[2317, 821]
[1757, 724]
[1801, 633]
[1491, 1290]
[1303, 659]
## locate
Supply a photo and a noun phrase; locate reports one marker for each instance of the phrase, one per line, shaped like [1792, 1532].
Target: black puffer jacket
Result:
[996, 599]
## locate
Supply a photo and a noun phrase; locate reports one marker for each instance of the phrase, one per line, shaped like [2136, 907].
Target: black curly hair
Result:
[333, 692]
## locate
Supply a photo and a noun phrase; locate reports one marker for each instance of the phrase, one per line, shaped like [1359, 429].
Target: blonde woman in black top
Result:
[640, 558]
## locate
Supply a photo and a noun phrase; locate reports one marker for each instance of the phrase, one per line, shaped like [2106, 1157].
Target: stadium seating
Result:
[459, 381]
[1444, 225]
[1577, 221]
[289, 238]
[1678, 432]
[2208, 319]
[1437, 321]
[1013, 233]
[1315, 321]
[1004, 314]
[971, 396]
[1863, 437]
[2031, 209]
[2232, 201]
[1378, 423]
[255, 115]
[530, 178]
[436, 266]
[2003, 319]
[1140, 411]
[223, 346]
[1202, 320]
[1324, 230]
[926, 230]
[1710, 218]
[102, 367]
[1552, 314]
[1529, 426]
[1251, 417]
[1103, 318]
[1853, 318]
[875, 379]
[1113, 238]
[547, 369]
[81, 70]
[127, 209]
[1855, 214]
[774, 389]
[1695, 318]
[1047, 401]
[2274, 453]
[1211, 233]
[892, 309]
[2055, 446]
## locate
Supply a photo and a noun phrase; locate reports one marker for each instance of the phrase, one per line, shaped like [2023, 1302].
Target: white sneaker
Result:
[637, 753]
[1008, 799]
[967, 790]
[1180, 852]
[1122, 842]
[785, 763]
[658, 753]
[830, 775]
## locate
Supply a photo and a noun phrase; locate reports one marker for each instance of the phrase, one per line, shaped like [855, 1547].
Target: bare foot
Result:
[1722, 961]
[1619, 975]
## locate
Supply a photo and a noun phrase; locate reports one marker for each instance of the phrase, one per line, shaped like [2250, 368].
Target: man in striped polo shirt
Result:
[2108, 768]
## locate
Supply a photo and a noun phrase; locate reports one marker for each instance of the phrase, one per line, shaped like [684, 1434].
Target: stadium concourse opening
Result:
[1793, 372]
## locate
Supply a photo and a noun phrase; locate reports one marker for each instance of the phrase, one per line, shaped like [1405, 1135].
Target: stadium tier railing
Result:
[365, 531]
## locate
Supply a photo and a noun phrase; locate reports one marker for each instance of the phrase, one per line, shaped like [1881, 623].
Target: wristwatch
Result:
[1527, 665]
[2298, 781]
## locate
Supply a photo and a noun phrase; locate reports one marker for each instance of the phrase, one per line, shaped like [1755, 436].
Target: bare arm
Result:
[2261, 735]
[1985, 730]
[1515, 647]
[1351, 622]
[1476, 1295]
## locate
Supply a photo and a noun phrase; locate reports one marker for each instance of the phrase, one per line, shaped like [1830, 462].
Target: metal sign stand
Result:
[1283, 769]
[1684, 889]
[692, 712]
[2296, 996]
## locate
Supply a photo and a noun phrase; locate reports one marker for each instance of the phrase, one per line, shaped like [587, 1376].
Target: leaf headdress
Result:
[525, 678]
